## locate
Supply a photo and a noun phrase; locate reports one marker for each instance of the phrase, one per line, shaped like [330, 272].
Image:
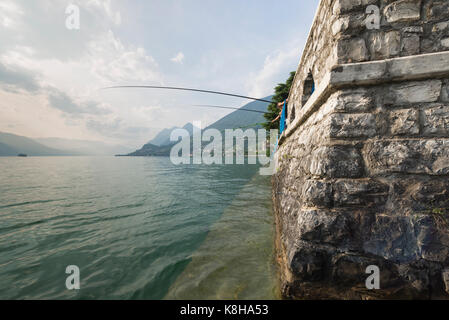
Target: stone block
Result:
[403, 11]
[349, 125]
[354, 100]
[408, 156]
[352, 50]
[392, 237]
[365, 193]
[445, 43]
[327, 226]
[436, 120]
[343, 6]
[441, 26]
[308, 263]
[411, 45]
[334, 162]
[404, 122]
[437, 10]
[414, 92]
[384, 45]
[316, 193]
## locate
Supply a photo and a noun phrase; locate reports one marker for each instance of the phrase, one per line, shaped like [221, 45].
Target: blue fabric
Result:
[313, 87]
[282, 122]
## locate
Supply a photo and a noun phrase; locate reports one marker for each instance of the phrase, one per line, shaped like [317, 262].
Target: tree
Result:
[281, 93]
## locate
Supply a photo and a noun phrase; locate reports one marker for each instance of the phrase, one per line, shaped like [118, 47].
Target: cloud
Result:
[9, 14]
[106, 6]
[276, 68]
[16, 79]
[63, 70]
[106, 127]
[112, 62]
[61, 101]
[179, 58]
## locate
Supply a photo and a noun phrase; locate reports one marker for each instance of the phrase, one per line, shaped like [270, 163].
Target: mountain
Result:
[6, 151]
[163, 137]
[243, 119]
[151, 150]
[161, 144]
[83, 147]
[12, 145]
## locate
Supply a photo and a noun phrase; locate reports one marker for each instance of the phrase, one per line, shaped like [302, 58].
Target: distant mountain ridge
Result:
[83, 147]
[163, 137]
[243, 119]
[12, 145]
[234, 120]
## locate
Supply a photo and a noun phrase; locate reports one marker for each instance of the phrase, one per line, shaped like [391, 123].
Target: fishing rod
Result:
[189, 89]
[222, 107]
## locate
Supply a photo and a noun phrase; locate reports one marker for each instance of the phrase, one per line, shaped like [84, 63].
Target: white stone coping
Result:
[419, 67]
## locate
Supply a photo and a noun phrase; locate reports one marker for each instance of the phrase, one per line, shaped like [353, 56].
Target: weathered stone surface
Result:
[362, 176]
[349, 125]
[384, 45]
[413, 237]
[441, 26]
[436, 120]
[445, 277]
[316, 193]
[414, 92]
[343, 6]
[353, 50]
[334, 162]
[408, 68]
[445, 93]
[403, 10]
[354, 100]
[418, 66]
[404, 122]
[408, 156]
[410, 44]
[436, 10]
[340, 25]
[320, 224]
[425, 195]
[413, 29]
[445, 42]
[359, 193]
[308, 263]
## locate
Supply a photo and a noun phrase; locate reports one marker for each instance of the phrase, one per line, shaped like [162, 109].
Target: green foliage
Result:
[281, 93]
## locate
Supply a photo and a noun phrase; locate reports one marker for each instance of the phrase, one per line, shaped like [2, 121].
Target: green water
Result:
[138, 228]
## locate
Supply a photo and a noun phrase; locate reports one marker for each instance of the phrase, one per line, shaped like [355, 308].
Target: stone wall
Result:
[363, 167]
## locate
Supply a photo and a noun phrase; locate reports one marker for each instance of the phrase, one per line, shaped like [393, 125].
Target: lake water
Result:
[137, 228]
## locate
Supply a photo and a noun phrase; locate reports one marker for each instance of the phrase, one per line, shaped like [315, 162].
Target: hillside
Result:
[150, 150]
[243, 119]
[83, 147]
[163, 137]
[234, 120]
[12, 145]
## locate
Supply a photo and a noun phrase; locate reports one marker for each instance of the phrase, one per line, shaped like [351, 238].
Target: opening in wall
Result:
[308, 89]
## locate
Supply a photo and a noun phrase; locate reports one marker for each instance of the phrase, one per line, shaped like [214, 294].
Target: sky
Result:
[51, 76]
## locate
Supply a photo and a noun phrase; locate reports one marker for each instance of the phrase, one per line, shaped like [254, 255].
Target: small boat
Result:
[23, 155]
